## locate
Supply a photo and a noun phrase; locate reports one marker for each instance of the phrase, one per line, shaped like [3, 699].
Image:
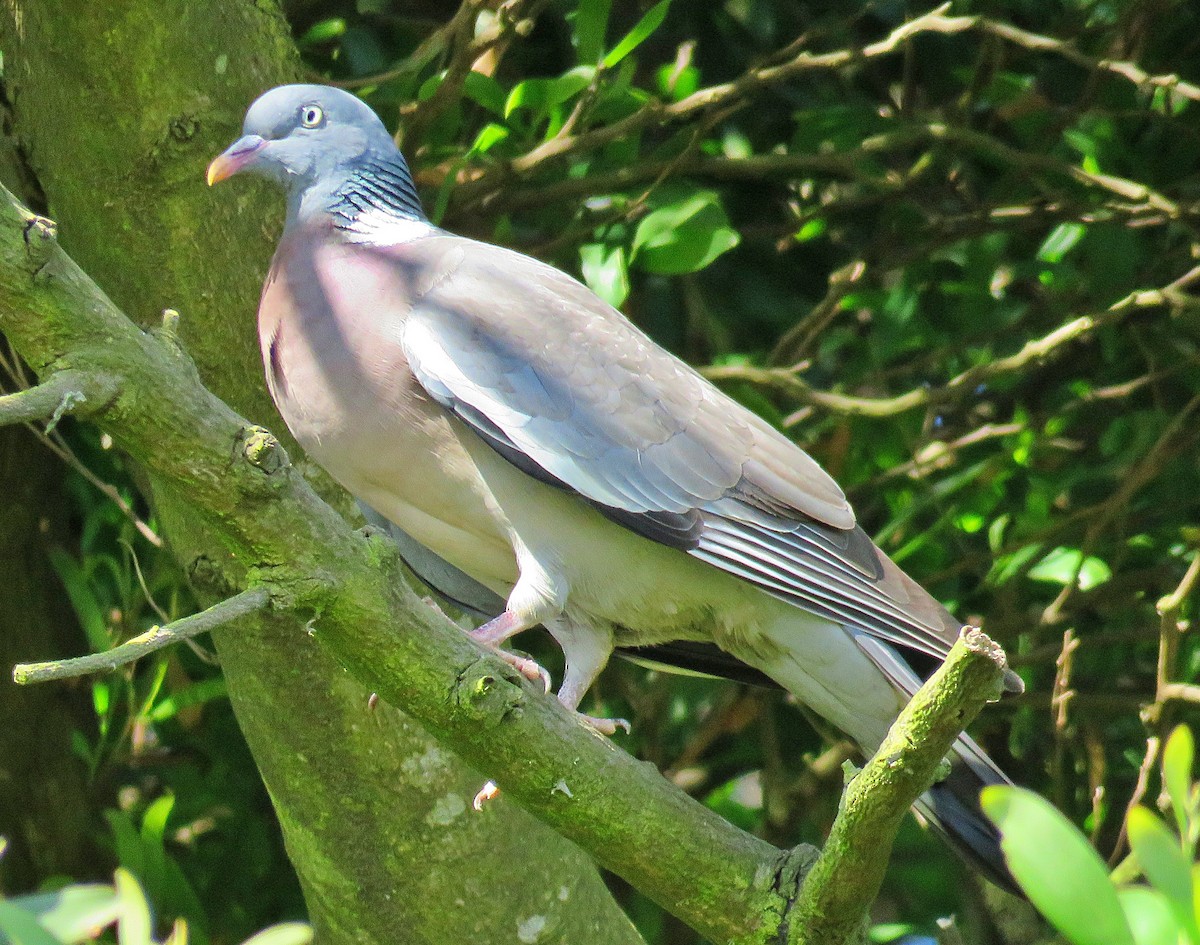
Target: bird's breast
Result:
[329, 328]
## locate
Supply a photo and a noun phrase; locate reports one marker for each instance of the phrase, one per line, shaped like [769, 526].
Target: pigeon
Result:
[532, 442]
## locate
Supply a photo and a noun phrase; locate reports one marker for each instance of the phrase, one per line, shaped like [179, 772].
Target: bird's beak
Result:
[235, 158]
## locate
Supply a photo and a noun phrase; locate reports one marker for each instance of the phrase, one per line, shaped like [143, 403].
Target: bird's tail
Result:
[952, 809]
[951, 806]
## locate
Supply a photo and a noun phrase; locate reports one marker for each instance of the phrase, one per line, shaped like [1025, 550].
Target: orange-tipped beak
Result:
[235, 158]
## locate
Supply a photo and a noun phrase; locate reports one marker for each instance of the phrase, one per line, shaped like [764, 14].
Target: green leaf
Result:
[285, 933]
[83, 600]
[1157, 852]
[605, 271]
[131, 852]
[1149, 916]
[1062, 240]
[811, 230]
[1056, 867]
[639, 34]
[683, 236]
[154, 821]
[1065, 565]
[196, 694]
[323, 31]
[675, 83]
[484, 90]
[890, 931]
[1178, 757]
[18, 927]
[540, 95]
[134, 923]
[73, 913]
[490, 134]
[591, 24]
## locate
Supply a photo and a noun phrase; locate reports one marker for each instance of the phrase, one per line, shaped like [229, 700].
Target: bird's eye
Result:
[311, 116]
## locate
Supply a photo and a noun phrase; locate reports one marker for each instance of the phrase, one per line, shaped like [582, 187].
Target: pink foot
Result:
[604, 726]
[528, 668]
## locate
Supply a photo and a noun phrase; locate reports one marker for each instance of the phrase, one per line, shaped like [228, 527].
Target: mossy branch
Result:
[845, 880]
[235, 608]
[62, 393]
[348, 590]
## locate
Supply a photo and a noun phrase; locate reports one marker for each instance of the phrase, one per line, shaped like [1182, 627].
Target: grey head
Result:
[328, 150]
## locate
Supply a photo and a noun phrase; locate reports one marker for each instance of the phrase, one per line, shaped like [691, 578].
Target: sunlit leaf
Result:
[639, 34]
[73, 913]
[1062, 240]
[684, 235]
[285, 933]
[1177, 759]
[134, 923]
[1149, 915]
[539, 95]
[1158, 854]
[323, 31]
[605, 271]
[1067, 565]
[1056, 867]
[154, 821]
[490, 134]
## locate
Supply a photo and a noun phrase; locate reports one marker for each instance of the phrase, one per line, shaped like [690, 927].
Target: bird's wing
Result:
[568, 390]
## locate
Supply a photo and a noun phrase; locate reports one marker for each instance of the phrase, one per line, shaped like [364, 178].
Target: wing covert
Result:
[568, 390]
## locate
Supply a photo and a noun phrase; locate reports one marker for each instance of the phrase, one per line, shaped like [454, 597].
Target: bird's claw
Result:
[528, 668]
[605, 726]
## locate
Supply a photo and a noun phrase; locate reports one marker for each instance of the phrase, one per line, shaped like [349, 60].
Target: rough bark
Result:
[119, 106]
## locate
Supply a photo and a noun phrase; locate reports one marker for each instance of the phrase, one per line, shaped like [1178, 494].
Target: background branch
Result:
[219, 615]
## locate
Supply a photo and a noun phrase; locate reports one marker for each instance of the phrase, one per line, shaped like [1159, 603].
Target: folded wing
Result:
[568, 390]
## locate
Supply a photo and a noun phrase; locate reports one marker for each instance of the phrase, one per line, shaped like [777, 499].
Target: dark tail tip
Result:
[952, 809]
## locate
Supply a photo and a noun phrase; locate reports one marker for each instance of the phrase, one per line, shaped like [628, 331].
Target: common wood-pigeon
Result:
[508, 420]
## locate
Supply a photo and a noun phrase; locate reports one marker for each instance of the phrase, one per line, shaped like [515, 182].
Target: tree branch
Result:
[62, 393]
[494, 182]
[156, 638]
[1034, 351]
[352, 589]
[844, 881]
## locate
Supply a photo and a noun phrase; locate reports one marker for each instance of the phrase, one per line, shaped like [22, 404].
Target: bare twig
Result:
[512, 18]
[240, 605]
[1034, 351]
[1170, 627]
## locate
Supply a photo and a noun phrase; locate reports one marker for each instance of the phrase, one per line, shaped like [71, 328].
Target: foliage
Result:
[1062, 875]
[85, 912]
[956, 266]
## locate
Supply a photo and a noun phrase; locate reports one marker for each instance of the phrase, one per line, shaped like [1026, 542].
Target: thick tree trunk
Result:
[119, 106]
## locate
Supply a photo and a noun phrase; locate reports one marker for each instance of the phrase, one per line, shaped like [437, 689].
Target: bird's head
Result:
[301, 135]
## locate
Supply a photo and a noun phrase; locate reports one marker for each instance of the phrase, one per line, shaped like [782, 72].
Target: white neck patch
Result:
[385, 227]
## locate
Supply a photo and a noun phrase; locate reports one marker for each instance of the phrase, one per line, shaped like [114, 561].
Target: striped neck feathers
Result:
[378, 202]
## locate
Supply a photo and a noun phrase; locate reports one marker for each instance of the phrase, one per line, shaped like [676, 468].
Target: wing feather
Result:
[568, 390]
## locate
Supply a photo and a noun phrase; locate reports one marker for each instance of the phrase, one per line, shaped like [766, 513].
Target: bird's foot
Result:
[604, 726]
[530, 669]
[493, 633]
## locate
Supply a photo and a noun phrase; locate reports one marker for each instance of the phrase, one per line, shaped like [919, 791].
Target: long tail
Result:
[952, 805]
[952, 809]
